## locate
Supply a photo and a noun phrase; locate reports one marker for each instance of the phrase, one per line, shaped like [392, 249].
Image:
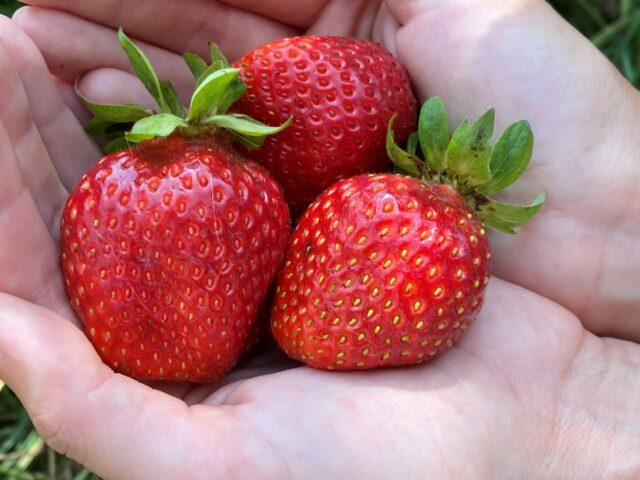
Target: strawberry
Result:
[169, 247]
[341, 94]
[389, 270]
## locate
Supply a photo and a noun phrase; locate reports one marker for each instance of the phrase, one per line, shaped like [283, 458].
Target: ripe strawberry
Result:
[389, 270]
[341, 93]
[169, 247]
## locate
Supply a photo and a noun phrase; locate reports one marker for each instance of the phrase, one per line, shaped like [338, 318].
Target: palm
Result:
[467, 401]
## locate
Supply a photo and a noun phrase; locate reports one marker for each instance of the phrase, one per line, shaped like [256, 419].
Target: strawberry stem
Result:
[469, 163]
[218, 86]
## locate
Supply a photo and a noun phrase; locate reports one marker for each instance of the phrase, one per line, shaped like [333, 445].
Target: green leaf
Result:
[98, 127]
[217, 55]
[247, 141]
[249, 132]
[484, 125]
[246, 125]
[412, 144]
[143, 69]
[510, 158]
[160, 125]
[83, 475]
[120, 143]
[122, 113]
[506, 218]
[171, 97]
[31, 448]
[400, 159]
[216, 94]
[214, 67]
[469, 151]
[196, 64]
[433, 129]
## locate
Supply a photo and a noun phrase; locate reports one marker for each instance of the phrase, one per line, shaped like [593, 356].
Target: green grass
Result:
[613, 25]
[7, 7]
[23, 454]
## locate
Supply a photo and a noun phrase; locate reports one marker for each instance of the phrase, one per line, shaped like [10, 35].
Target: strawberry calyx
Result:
[217, 87]
[468, 162]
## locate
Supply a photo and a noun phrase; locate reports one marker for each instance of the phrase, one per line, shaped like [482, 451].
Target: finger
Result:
[109, 85]
[192, 23]
[115, 426]
[302, 16]
[68, 94]
[99, 47]
[39, 123]
[104, 85]
[345, 18]
[523, 59]
[385, 29]
[223, 12]
[28, 255]
[38, 173]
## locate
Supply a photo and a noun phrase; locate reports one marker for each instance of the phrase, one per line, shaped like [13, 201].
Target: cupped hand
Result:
[528, 393]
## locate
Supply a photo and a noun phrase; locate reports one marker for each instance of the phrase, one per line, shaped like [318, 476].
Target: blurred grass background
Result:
[612, 25]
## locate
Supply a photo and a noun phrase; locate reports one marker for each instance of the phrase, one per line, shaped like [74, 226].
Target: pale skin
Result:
[534, 390]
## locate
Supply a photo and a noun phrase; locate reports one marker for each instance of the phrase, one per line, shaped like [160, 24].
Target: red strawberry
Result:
[389, 270]
[341, 93]
[169, 247]
[168, 251]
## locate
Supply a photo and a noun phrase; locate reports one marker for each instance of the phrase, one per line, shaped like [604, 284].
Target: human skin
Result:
[534, 390]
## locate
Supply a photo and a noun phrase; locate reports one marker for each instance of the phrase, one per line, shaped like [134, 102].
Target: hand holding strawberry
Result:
[169, 248]
[526, 374]
[340, 94]
[389, 270]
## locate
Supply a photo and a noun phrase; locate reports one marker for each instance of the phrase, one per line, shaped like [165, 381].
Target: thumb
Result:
[117, 427]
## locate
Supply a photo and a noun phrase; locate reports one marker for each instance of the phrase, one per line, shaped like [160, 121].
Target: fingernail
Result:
[19, 12]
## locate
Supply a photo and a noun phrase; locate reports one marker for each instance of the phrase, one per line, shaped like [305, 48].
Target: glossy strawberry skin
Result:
[382, 270]
[341, 93]
[168, 250]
